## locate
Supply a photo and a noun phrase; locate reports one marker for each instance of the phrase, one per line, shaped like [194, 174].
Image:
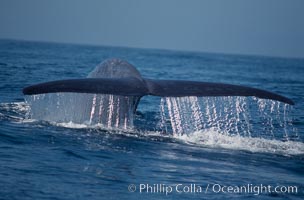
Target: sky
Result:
[254, 27]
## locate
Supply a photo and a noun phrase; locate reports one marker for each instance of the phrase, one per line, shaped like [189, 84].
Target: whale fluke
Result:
[131, 86]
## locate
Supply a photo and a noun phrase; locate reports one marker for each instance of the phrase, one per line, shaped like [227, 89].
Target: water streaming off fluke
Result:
[108, 111]
[242, 116]
[230, 116]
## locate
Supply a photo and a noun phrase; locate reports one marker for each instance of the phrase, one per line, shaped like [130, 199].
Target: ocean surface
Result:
[53, 147]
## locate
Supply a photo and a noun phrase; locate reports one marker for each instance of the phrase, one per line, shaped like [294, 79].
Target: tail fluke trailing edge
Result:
[141, 87]
[179, 88]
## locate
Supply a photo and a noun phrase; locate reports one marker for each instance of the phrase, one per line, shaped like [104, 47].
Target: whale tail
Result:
[141, 87]
[118, 77]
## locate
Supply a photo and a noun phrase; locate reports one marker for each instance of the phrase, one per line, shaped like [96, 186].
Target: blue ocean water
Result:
[173, 151]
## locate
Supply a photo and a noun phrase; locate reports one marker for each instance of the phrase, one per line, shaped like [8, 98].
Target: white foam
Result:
[15, 106]
[97, 126]
[14, 110]
[209, 138]
[214, 139]
[74, 125]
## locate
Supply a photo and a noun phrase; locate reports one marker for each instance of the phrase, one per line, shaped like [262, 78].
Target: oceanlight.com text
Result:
[167, 189]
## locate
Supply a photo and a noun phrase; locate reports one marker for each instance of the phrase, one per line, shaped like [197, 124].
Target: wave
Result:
[214, 139]
[210, 137]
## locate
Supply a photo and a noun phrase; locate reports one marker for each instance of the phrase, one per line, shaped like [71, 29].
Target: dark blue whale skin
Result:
[118, 77]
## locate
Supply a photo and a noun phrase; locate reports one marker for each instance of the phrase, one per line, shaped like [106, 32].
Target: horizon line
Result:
[152, 48]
